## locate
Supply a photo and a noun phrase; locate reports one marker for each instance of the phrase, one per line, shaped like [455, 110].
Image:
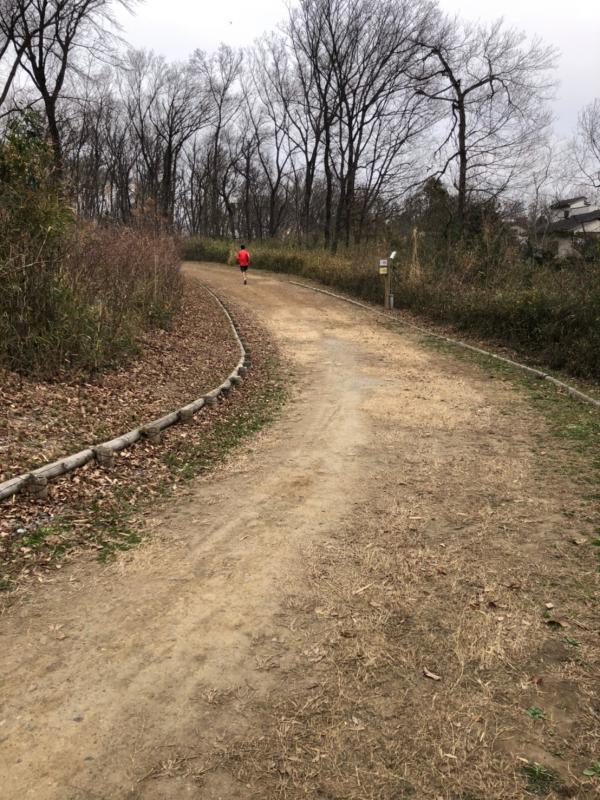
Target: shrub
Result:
[85, 307]
[74, 298]
[198, 248]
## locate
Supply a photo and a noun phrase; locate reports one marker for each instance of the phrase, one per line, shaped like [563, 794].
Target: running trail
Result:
[110, 674]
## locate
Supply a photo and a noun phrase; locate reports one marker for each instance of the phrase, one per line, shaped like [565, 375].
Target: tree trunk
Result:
[50, 107]
[462, 162]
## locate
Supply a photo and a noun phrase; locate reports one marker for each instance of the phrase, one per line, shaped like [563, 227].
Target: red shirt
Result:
[243, 258]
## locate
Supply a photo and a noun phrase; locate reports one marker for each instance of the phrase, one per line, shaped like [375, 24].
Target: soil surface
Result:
[387, 594]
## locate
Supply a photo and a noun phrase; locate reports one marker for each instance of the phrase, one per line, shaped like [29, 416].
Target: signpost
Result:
[387, 270]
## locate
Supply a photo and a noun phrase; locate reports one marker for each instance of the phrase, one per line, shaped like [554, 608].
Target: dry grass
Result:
[417, 587]
[369, 723]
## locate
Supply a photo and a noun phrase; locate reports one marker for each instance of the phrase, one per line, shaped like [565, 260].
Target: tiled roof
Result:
[573, 223]
[566, 203]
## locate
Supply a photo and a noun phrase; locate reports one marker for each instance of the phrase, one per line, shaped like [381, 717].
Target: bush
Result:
[200, 249]
[85, 307]
[549, 314]
[74, 298]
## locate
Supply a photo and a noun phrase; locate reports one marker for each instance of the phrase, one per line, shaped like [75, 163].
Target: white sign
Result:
[383, 262]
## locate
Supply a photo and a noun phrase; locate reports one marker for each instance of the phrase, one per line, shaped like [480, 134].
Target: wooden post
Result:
[104, 456]
[37, 487]
[388, 289]
[186, 415]
[152, 433]
[155, 277]
[387, 284]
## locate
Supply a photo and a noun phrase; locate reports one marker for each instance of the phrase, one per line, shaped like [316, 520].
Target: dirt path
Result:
[271, 639]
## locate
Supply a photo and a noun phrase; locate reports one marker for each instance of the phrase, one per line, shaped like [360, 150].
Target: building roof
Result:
[568, 202]
[573, 223]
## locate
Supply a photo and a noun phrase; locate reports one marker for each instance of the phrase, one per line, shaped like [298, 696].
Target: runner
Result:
[243, 259]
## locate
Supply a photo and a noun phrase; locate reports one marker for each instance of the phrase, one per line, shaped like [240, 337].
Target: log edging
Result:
[578, 395]
[35, 481]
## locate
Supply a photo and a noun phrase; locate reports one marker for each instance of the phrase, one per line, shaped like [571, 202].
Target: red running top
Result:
[243, 258]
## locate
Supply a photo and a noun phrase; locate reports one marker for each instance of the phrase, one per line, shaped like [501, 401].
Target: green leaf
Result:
[593, 771]
[535, 713]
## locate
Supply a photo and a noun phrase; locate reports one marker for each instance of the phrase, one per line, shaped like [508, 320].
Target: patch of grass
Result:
[540, 779]
[569, 419]
[535, 713]
[196, 457]
[119, 542]
[593, 771]
[199, 248]
[37, 537]
[50, 538]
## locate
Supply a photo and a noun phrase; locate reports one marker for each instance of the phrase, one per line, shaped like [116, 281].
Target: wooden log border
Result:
[538, 373]
[36, 480]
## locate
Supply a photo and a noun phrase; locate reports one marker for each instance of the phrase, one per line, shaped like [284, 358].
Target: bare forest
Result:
[319, 132]
[355, 127]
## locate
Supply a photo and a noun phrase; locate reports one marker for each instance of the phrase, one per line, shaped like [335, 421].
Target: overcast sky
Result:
[177, 27]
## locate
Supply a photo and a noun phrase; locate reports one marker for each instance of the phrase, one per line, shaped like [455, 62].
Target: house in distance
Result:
[570, 221]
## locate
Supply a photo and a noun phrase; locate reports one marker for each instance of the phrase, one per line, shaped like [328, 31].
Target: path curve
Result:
[107, 669]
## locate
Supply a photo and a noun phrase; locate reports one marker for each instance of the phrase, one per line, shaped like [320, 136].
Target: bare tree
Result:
[494, 85]
[48, 34]
[13, 41]
[587, 144]
[319, 134]
[220, 77]
[360, 52]
[270, 123]
[307, 34]
[166, 107]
